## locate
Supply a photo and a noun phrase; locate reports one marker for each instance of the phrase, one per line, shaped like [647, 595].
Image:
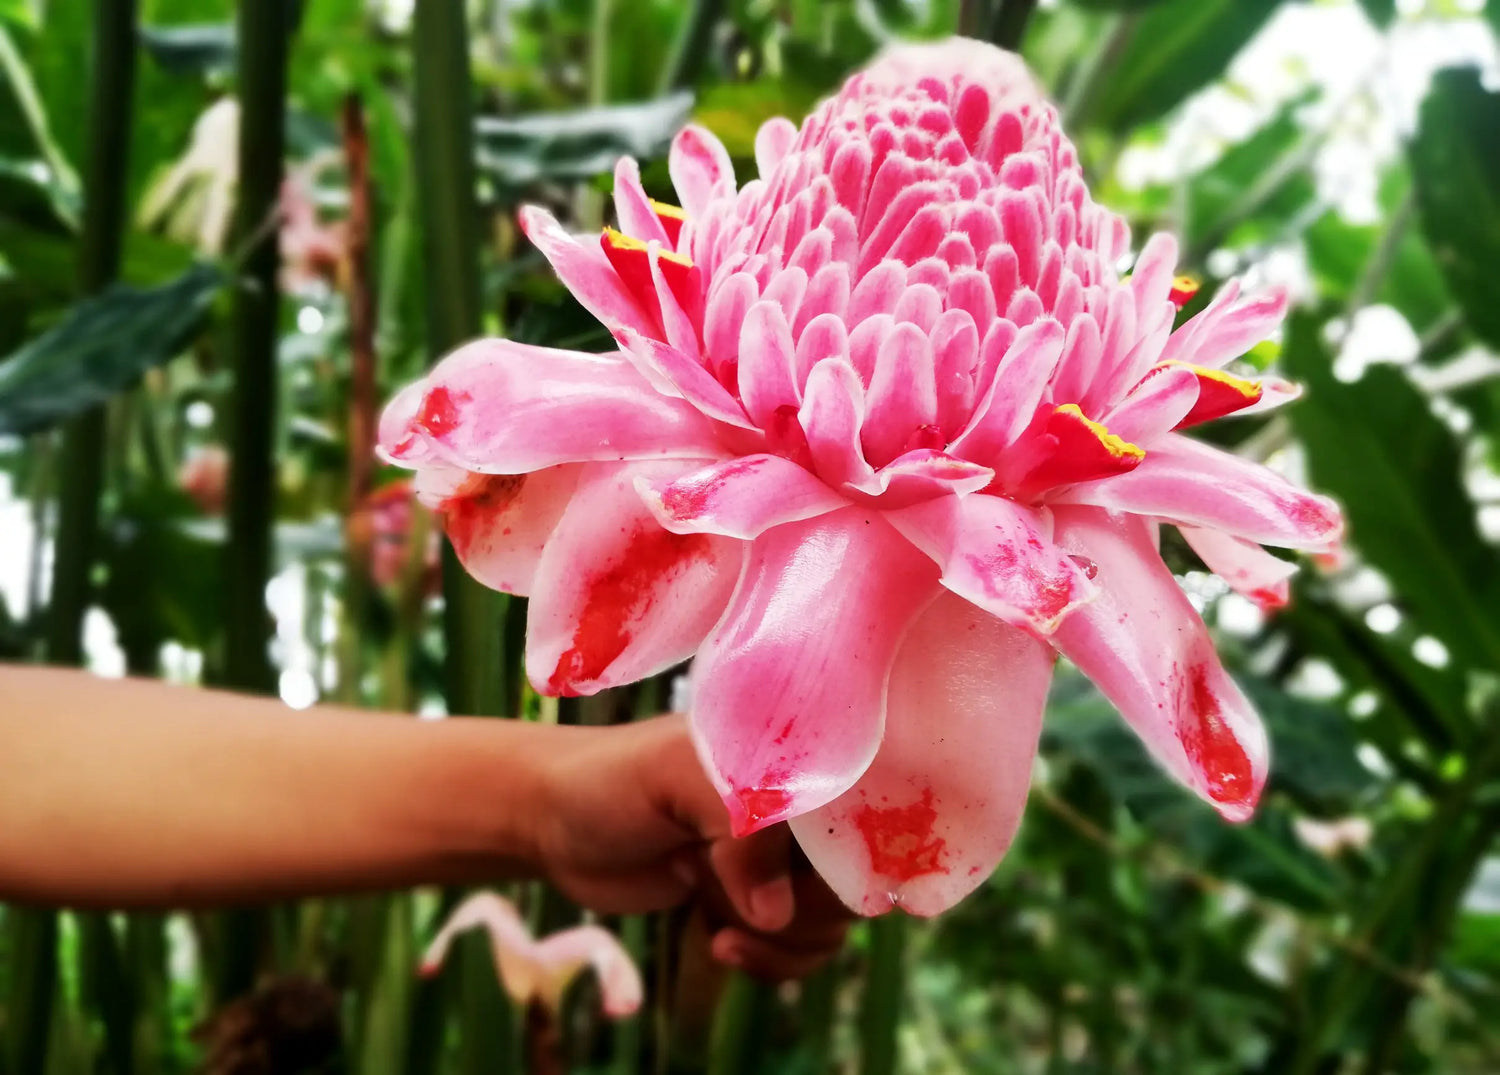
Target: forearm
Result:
[140, 794]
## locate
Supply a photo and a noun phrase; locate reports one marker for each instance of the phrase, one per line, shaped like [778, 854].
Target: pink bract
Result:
[885, 430]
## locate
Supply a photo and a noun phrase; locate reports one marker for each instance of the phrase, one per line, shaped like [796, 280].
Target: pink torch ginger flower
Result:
[540, 972]
[885, 430]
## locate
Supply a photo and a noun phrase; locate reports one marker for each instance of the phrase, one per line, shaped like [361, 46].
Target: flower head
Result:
[540, 972]
[886, 429]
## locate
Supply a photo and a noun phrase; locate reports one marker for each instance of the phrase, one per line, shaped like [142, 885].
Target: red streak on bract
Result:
[616, 599]
[472, 511]
[439, 414]
[692, 497]
[672, 219]
[1220, 394]
[753, 808]
[1062, 447]
[900, 839]
[786, 437]
[1212, 747]
[1271, 598]
[1184, 289]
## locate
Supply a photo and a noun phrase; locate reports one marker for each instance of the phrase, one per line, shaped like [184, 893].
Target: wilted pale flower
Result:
[311, 251]
[204, 477]
[535, 971]
[383, 524]
[885, 430]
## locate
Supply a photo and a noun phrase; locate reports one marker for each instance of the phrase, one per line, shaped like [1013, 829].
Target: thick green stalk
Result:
[880, 1016]
[264, 33]
[742, 1028]
[692, 45]
[31, 940]
[1008, 24]
[450, 228]
[817, 1014]
[82, 469]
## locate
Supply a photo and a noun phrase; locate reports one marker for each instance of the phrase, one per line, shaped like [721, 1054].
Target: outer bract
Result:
[885, 430]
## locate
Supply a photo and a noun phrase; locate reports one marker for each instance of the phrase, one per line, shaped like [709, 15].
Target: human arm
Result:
[138, 794]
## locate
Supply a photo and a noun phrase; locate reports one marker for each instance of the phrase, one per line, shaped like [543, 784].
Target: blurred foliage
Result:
[1352, 926]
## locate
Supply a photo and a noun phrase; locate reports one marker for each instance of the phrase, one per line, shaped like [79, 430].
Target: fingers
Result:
[813, 937]
[756, 874]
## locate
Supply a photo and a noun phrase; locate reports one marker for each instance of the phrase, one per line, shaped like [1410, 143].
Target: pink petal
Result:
[1145, 647]
[999, 555]
[922, 474]
[739, 498]
[700, 168]
[584, 271]
[499, 407]
[396, 442]
[940, 804]
[633, 208]
[499, 523]
[1156, 406]
[565, 953]
[832, 414]
[902, 396]
[1247, 567]
[772, 143]
[616, 597]
[767, 363]
[673, 373]
[1185, 481]
[1017, 390]
[789, 689]
[1226, 329]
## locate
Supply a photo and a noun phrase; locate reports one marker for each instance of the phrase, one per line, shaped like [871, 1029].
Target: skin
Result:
[135, 794]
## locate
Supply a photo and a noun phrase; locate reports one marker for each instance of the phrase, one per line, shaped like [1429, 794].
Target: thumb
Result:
[755, 872]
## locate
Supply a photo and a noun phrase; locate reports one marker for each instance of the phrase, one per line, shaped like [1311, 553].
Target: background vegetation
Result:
[1354, 926]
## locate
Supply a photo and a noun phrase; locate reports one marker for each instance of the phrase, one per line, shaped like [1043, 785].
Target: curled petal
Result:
[633, 208]
[1062, 447]
[1226, 328]
[499, 523]
[920, 475]
[832, 415]
[1247, 567]
[1184, 481]
[584, 271]
[767, 363]
[1156, 406]
[740, 498]
[674, 373]
[999, 555]
[772, 143]
[700, 168]
[1016, 392]
[540, 972]
[940, 804]
[616, 598]
[396, 442]
[1219, 394]
[498, 407]
[1145, 647]
[789, 689]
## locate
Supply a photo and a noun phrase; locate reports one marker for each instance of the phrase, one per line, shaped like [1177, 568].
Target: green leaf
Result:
[1377, 447]
[1381, 12]
[1455, 159]
[1314, 746]
[1166, 53]
[101, 346]
[201, 49]
[517, 151]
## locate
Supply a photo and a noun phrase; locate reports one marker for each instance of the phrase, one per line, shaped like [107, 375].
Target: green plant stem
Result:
[1008, 24]
[31, 941]
[742, 1027]
[818, 1011]
[264, 32]
[692, 45]
[263, 35]
[444, 108]
[880, 1016]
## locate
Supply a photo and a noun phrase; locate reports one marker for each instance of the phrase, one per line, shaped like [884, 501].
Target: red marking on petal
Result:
[1184, 288]
[787, 438]
[900, 839]
[1088, 567]
[617, 597]
[753, 808]
[1272, 598]
[1211, 746]
[476, 505]
[631, 260]
[672, 218]
[692, 496]
[1219, 394]
[439, 414]
[1062, 447]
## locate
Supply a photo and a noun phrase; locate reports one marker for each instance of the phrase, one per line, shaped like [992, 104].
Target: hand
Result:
[628, 822]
